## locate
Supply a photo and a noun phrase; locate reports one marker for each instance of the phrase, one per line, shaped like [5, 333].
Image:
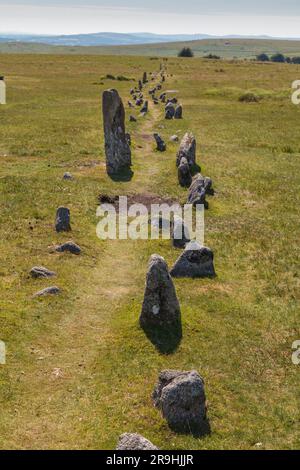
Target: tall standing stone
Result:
[160, 307]
[117, 150]
[62, 220]
[187, 149]
[145, 77]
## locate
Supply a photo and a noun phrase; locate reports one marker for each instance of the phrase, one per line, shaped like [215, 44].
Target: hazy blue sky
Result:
[273, 17]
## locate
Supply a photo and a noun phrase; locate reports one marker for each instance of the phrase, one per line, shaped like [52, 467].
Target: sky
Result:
[280, 18]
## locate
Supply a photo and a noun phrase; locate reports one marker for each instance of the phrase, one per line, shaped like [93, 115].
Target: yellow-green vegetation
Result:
[225, 48]
[79, 370]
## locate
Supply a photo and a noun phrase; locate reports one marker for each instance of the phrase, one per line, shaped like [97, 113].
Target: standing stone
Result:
[160, 307]
[187, 149]
[134, 442]
[140, 85]
[145, 77]
[180, 233]
[118, 154]
[161, 146]
[62, 222]
[184, 173]
[195, 262]
[145, 107]
[132, 119]
[200, 187]
[181, 398]
[178, 112]
[139, 102]
[169, 111]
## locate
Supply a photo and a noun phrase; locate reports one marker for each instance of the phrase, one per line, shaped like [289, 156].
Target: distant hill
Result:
[111, 39]
[225, 48]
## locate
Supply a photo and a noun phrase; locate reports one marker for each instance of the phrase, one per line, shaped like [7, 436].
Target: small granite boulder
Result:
[134, 442]
[178, 112]
[181, 398]
[67, 176]
[68, 246]
[62, 221]
[41, 272]
[195, 262]
[48, 291]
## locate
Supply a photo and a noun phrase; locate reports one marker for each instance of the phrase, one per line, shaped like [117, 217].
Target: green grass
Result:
[238, 329]
[225, 48]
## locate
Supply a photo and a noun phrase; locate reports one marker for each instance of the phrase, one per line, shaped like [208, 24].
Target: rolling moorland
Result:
[79, 370]
[226, 48]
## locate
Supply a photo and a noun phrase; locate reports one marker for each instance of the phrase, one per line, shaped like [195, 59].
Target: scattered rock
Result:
[132, 119]
[200, 187]
[195, 262]
[69, 246]
[174, 138]
[181, 398]
[117, 150]
[134, 442]
[178, 112]
[68, 176]
[187, 149]
[48, 291]
[139, 102]
[62, 221]
[184, 173]
[160, 306]
[161, 146]
[40, 271]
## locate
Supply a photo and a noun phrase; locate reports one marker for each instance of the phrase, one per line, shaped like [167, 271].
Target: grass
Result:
[225, 48]
[79, 369]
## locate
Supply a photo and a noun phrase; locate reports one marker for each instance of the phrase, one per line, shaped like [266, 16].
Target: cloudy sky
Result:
[221, 17]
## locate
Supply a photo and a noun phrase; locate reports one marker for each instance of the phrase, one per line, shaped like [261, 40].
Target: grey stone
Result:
[160, 307]
[178, 112]
[187, 149]
[174, 138]
[117, 150]
[40, 271]
[184, 173]
[67, 176]
[139, 102]
[62, 221]
[195, 262]
[200, 187]
[132, 119]
[145, 77]
[134, 442]
[48, 291]
[160, 144]
[140, 85]
[69, 246]
[169, 111]
[180, 233]
[181, 398]
[145, 107]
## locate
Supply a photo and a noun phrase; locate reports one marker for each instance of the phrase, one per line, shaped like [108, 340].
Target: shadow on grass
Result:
[195, 169]
[165, 339]
[125, 175]
[199, 430]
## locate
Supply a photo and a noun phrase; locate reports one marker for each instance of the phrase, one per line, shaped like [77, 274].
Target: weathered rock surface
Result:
[180, 233]
[69, 246]
[181, 398]
[184, 173]
[41, 272]
[134, 442]
[195, 262]
[160, 144]
[178, 112]
[200, 187]
[174, 138]
[160, 306]
[67, 176]
[117, 150]
[169, 111]
[62, 221]
[48, 291]
[187, 149]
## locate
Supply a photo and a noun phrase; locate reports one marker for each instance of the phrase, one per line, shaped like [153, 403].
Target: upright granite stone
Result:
[160, 144]
[62, 221]
[180, 233]
[160, 307]
[200, 187]
[195, 262]
[187, 149]
[134, 442]
[178, 112]
[145, 80]
[181, 398]
[169, 111]
[117, 150]
[184, 173]
[145, 107]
